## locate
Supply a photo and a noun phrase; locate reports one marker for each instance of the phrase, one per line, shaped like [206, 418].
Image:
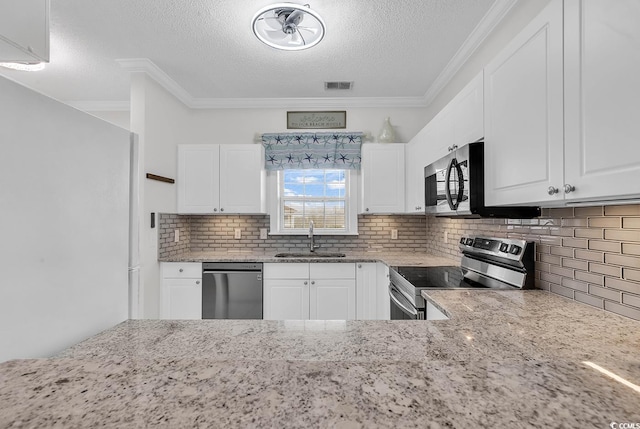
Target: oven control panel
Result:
[507, 249]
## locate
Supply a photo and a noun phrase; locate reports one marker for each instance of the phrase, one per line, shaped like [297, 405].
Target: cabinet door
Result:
[602, 66]
[366, 291]
[24, 31]
[242, 178]
[523, 114]
[286, 299]
[332, 299]
[182, 299]
[383, 178]
[416, 156]
[383, 311]
[198, 178]
[434, 313]
[467, 113]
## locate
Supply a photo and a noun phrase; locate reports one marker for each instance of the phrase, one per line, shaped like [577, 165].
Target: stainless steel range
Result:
[486, 263]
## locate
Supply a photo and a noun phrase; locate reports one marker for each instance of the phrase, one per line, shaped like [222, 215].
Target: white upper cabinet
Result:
[523, 114]
[557, 136]
[602, 99]
[24, 30]
[467, 113]
[242, 178]
[222, 179]
[198, 178]
[459, 123]
[383, 177]
[417, 152]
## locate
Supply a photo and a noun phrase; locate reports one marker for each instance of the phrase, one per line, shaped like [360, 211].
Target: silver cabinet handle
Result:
[215, 210]
[552, 190]
[367, 209]
[418, 208]
[306, 282]
[221, 209]
[181, 270]
[452, 148]
[313, 282]
[359, 265]
[568, 189]
[197, 282]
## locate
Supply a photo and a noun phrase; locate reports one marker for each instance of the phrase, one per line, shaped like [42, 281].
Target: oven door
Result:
[401, 308]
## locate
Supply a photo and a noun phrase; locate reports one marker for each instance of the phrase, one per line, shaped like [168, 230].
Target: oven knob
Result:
[469, 241]
[504, 247]
[515, 250]
[463, 240]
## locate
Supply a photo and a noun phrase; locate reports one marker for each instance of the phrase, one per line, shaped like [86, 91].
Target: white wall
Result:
[64, 193]
[161, 122]
[240, 125]
[121, 118]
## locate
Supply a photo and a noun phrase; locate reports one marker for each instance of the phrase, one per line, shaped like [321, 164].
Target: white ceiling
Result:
[390, 49]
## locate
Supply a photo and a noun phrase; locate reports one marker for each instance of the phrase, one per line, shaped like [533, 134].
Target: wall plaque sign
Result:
[316, 120]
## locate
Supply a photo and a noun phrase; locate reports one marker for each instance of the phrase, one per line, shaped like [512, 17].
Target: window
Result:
[318, 195]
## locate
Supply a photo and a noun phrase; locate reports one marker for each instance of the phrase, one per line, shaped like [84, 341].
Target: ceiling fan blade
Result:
[298, 39]
[276, 34]
[271, 21]
[310, 29]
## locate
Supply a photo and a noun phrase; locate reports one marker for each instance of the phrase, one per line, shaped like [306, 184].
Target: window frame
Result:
[276, 204]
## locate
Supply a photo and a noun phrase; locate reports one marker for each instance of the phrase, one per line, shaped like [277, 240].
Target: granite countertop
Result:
[387, 257]
[513, 359]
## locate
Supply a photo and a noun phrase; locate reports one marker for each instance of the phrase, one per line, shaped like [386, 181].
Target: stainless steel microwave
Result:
[454, 186]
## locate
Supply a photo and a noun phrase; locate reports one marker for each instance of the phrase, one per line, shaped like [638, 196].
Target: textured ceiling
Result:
[390, 48]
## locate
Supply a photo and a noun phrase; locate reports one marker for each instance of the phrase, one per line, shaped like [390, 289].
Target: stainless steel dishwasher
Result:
[231, 290]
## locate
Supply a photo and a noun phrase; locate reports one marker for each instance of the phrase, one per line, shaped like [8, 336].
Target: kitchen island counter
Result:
[504, 359]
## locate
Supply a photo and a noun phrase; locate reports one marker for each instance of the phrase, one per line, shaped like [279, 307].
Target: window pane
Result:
[313, 194]
[293, 215]
[334, 214]
[335, 183]
[314, 211]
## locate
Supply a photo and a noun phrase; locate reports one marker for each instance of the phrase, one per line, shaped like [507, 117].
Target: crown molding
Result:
[306, 103]
[147, 66]
[100, 106]
[144, 65]
[491, 19]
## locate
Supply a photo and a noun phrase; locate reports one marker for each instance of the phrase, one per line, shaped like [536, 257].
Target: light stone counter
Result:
[509, 359]
[389, 258]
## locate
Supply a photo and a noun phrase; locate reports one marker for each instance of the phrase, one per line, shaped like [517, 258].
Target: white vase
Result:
[387, 134]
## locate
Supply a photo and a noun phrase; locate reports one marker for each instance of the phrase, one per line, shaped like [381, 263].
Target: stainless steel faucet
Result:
[312, 245]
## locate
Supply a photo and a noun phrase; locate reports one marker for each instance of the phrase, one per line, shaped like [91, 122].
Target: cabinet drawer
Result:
[182, 270]
[293, 270]
[329, 270]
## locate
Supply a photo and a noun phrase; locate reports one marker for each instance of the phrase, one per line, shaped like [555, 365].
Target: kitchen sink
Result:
[310, 255]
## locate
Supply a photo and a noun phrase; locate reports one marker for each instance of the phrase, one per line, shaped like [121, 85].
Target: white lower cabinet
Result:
[286, 299]
[372, 291]
[181, 296]
[434, 313]
[316, 291]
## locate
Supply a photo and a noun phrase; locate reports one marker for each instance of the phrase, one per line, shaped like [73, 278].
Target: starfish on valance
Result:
[312, 150]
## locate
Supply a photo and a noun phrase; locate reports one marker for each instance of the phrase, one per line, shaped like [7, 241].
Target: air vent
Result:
[342, 86]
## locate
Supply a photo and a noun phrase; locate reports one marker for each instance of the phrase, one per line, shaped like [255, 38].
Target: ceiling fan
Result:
[288, 26]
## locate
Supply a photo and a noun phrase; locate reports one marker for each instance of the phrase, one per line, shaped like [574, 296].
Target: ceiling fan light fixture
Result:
[288, 26]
